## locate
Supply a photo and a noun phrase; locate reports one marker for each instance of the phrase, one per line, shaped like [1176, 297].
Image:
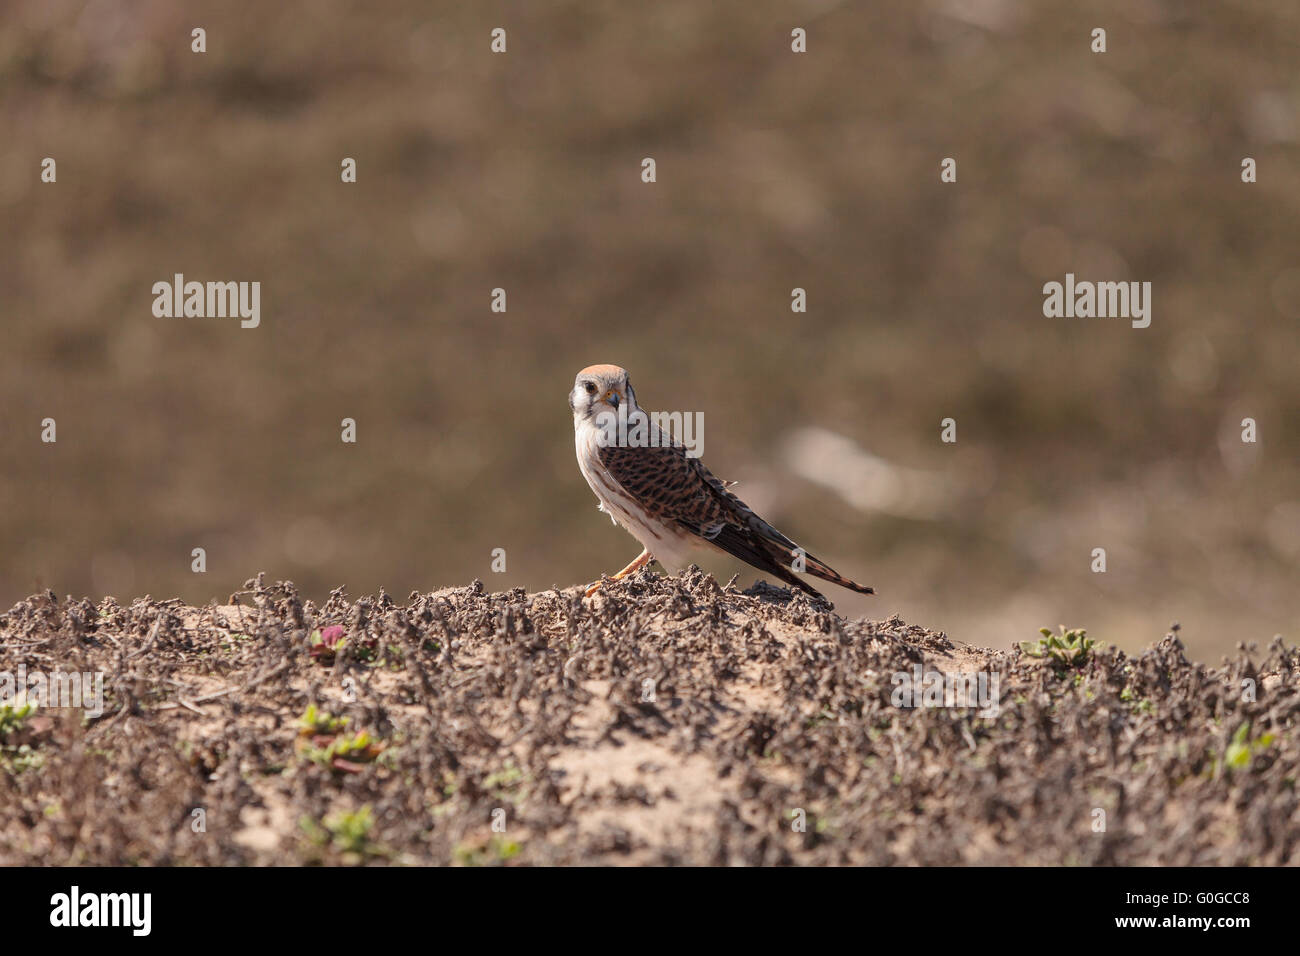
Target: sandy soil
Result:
[667, 720]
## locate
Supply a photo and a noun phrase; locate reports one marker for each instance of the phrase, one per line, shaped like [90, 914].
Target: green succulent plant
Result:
[1065, 648]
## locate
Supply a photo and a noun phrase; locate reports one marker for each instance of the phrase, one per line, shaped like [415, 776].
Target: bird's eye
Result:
[591, 388]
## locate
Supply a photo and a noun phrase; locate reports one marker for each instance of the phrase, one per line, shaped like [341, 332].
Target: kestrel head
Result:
[601, 388]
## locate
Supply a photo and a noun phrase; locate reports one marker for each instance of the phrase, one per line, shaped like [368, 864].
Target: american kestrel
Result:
[667, 499]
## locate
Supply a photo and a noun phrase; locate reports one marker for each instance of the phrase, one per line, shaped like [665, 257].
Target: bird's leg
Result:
[639, 562]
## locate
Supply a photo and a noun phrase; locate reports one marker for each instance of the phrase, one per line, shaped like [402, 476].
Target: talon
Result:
[639, 562]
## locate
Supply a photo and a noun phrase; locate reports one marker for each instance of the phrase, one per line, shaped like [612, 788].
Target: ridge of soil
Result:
[666, 720]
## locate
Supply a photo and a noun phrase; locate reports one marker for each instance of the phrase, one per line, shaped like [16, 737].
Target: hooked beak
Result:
[612, 397]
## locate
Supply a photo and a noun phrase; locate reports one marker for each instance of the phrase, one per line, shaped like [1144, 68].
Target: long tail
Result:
[820, 569]
[768, 550]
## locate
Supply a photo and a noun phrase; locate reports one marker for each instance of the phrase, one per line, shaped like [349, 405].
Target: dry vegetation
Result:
[468, 703]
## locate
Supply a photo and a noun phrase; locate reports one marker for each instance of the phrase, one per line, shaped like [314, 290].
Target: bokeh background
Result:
[775, 171]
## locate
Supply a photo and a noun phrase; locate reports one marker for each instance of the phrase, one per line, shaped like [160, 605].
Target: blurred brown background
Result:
[775, 170]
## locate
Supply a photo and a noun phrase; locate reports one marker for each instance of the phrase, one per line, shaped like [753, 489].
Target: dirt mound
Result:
[668, 720]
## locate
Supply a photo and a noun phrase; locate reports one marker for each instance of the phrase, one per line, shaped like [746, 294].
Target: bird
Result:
[647, 482]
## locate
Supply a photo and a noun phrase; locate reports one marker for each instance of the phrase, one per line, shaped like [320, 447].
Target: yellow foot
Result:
[639, 562]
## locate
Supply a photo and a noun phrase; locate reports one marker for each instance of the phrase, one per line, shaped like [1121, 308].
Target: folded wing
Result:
[676, 489]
